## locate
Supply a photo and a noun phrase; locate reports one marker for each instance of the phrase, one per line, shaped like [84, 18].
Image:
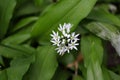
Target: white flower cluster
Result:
[65, 41]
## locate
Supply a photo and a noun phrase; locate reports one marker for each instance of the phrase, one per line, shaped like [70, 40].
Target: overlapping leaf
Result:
[6, 8]
[44, 66]
[93, 55]
[63, 11]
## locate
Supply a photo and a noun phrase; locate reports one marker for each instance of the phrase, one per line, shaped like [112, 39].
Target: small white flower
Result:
[55, 38]
[74, 37]
[66, 41]
[73, 45]
[68, 26]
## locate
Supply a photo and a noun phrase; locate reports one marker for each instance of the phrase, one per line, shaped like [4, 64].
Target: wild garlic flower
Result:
[64, 40]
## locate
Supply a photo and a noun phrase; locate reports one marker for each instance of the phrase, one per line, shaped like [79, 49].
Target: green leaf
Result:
[114, 76]
[16, 73]
[3, 75]
[14, 51]
[27, 9]
[77, 77]
[22, 23]
[45, 64]
[103, 30]
[17, 69]
[93, 56]
[107, 32]
[66, 59]
[1, 61]
[19, 37]
[72, 12]
[61, 74]
[106, 74]
[38, 2]
[94, 50]
[6, 11]
[104, 16]
[110, 75]
[16, 39]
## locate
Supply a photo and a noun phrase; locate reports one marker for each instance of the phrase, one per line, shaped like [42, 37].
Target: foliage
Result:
[26, 52]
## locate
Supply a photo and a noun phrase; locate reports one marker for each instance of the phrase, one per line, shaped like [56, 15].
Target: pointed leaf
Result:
[72, 12]
[6, 11]
[44, 66]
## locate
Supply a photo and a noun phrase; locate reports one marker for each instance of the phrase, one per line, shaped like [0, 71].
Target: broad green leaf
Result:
[3, 75]
[16, 73]
[16, 39]
[107, 32]
[6, 11]
[98, 75]
[19, 37]
[27, 9]
[90, 74]
[94, 72]
[104, 16]
[14, 51]
[72, 12]
[106, 74]
[77, 77]
[22, 23]
[61, 74]
[93, 55]
[19, 67]
[66, 59]
[110, 75]
[38, 2]
[93, 52]
[114, 76]
[45, 64]
[22, 61]
[103, 30]
[83, 70]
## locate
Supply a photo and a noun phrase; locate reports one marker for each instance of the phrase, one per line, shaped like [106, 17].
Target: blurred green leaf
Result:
[19, 36]
[77, 77]
[107, 32]
[101, 15]
[109, 0]
[16, 39]
[114, 76]
[19, 64]
[61, 74]
[38, 2]
[66, 59]
[6, 8]
[110, 75]
[44, 66]
[1, 61]
[22, 23]
[106, 74]
[16, 73]
[3, 75]
[72, 12]
[93, 55]
[94, 50]
[19, 67]
[27, 9]
[83, 70]
[103, 30]
[14, 51]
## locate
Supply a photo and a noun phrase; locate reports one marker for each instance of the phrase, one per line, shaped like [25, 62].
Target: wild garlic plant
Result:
[64, 40]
